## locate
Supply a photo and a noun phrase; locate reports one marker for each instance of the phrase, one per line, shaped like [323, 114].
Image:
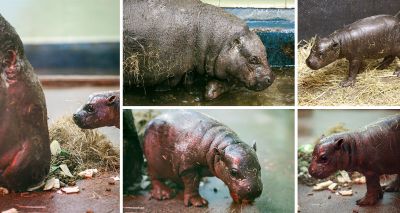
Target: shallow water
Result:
[280, 93]
[273, 130]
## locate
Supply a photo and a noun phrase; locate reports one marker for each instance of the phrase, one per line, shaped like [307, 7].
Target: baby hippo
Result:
[372, 151]
[184, 146]
[102, 109]
[369, 38]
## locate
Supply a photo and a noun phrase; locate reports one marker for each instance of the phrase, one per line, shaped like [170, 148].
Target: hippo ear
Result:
[111, 100]
[254, 146]
[340, 144]
[236, 42]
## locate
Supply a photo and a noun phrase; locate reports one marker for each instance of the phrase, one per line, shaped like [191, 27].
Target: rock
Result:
[346, 192]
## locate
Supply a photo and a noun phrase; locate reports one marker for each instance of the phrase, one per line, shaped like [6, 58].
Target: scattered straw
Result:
[82, 149]
[321, 87]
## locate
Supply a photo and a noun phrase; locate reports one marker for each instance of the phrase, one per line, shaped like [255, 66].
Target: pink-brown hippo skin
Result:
[102, 109]
[24, 136]
[184, 146]
[165, 41]
[369, 38]
[372, 151]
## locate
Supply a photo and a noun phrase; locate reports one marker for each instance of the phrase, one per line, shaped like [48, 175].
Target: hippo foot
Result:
[195, 200]
[161, 192]
[370, 199]
[347, 83]
[397, 72]
[393, 186]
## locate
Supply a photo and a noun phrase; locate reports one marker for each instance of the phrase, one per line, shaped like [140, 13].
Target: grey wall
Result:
[322, 17]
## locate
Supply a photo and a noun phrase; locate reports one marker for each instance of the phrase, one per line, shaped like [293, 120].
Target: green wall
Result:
[63, 20]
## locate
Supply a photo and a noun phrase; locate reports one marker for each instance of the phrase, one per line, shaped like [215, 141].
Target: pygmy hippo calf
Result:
[24, 136]
[369, 38]
[102, 109]
[372, 151]
[165, 41]
[184, 146]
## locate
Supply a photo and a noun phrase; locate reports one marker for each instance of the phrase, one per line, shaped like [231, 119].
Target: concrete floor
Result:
[93, 196]
[319, 202]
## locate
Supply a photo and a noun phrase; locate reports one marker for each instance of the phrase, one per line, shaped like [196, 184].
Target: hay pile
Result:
[321, 87]
[81, 150]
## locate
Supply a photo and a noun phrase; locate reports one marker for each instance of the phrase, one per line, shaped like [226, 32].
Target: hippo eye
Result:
[254, 60]
[89, 108]
[234, 173]
[323, 159]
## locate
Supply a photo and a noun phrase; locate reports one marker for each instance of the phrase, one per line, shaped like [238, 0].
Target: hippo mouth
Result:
[237, 199]
[80, 122]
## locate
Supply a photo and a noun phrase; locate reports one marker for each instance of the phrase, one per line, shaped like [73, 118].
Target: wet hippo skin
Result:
[24, 136]
[102, 109]
[372, 151]
[165, 42]
[369, 38]
[184, 146]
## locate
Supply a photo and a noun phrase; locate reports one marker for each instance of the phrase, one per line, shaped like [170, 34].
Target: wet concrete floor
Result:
[273, 130]
[93, 196]
[319, 201]
[280, 93]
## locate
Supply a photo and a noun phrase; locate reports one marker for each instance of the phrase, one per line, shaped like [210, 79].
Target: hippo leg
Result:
[214, 89]
[354, 68]
[374, 191]
[386, 62]
[191, 195]
[397, 71]
[393, 186]
[160, 191]
[169, 83]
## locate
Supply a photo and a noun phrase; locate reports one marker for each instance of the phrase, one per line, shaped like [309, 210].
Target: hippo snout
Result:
[263, 83]
[311, 64]
[77, 119]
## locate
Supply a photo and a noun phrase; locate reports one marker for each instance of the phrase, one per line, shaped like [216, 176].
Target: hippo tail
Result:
[397, 15]
[133, 155]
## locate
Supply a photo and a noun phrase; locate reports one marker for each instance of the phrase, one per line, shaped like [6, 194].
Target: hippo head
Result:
[324, 52]
[101, 110]
[328, 156]
[244, 58]
[237, 166]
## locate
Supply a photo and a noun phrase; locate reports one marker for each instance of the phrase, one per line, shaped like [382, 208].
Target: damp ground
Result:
[280, 93]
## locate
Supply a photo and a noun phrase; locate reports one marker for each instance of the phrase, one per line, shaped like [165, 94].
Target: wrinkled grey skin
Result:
[166, 40]
[24, 136]
[184, 146]
[369, 38]
[102, 109]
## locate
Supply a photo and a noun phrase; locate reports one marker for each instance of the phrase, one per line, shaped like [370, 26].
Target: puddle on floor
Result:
[280, 93]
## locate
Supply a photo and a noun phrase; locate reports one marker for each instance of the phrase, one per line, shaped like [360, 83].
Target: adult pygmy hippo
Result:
[184, 146]
[372, 151]
[102, 109]
[24, 136]
[133, 155]
[369, 38]
[164, 41]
